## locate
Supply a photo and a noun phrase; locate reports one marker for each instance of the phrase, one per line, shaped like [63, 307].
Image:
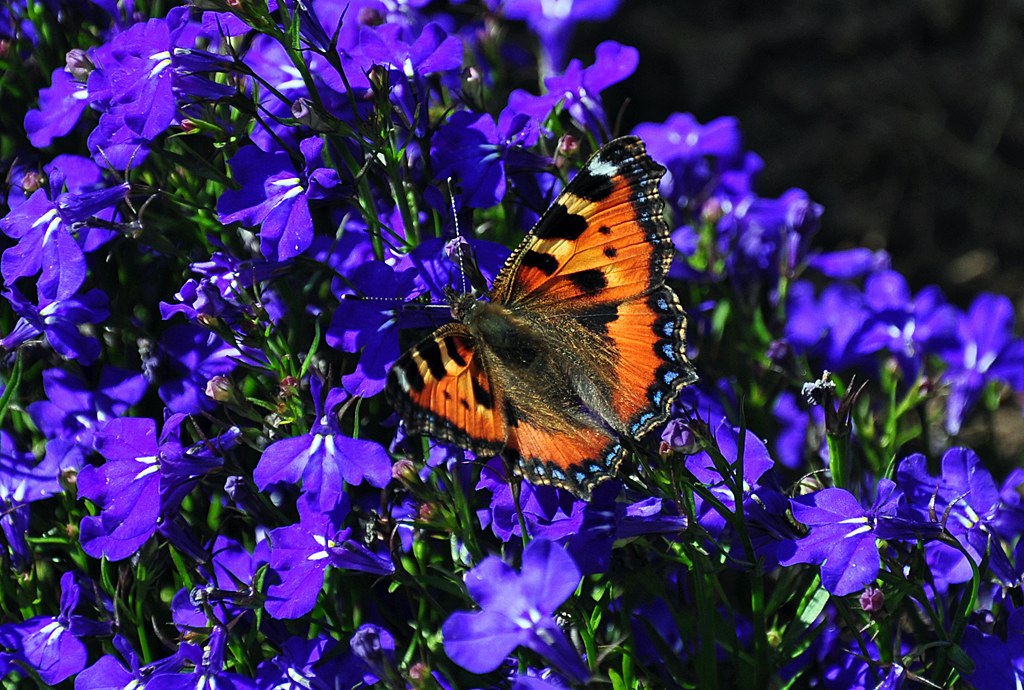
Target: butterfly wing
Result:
[441, 388]
[574, 459]
[602, 241]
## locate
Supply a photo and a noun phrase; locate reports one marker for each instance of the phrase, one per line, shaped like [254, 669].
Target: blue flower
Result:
[606, 521]
[517, 609]
[696, 158]
[60, 106]
[312, 664]
[473, 150]
[228, 584]
[108, 672]
[371, 325]
[823, 327]
[550, 513]
[324, 459]
[44, 243]
[50, 644]
[221, 290]
[767, 239]
[140, 481]
[909, 328]
[579, 88]
[59, 321]
[75, 411]
[967, 495]
[850, 264]
[554, 22]
[987, 352]
[22, 482]
[135, 85]
[997, 664]
[303, 551]
[843, 534]
[408, 60]
[275, 196]
[193, 356]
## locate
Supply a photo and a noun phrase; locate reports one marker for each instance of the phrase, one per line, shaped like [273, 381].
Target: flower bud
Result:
[678, 437]
[305, 112]
[288, 386]
[712, 211]
[220, 389]
[374, 645]
[369, 16]
[872, 600]
[404, 470]
[568, 144]
[78, 64]
[32, 181]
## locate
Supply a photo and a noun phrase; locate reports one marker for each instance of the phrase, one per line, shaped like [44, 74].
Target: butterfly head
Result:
[461, 303]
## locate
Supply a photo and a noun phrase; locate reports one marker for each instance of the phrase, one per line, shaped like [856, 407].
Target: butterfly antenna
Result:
[464, 257]
[458, 237]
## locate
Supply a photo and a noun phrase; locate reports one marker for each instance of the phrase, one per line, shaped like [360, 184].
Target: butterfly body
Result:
[579, 346]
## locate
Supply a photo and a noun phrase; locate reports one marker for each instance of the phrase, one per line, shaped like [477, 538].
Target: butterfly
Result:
[578, 348]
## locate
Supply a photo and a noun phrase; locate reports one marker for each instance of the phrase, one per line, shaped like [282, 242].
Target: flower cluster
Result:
[222, 226]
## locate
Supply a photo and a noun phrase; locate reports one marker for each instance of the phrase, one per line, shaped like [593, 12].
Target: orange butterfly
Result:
[579, 346]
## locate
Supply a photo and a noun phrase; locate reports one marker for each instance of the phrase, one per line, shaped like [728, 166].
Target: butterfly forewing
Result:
[440, 388]
[603, 239]
[651, 371]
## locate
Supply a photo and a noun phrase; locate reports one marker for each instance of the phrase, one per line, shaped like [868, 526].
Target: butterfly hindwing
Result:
[603, 239]
[576, 460]
[441, 388]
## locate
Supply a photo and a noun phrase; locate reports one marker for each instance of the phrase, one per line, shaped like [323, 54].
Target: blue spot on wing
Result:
[670, 353]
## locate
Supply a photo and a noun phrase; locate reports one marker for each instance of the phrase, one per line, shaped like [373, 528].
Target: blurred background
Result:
[904, 118]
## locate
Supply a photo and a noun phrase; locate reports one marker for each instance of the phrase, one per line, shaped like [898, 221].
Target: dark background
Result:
[905, 119]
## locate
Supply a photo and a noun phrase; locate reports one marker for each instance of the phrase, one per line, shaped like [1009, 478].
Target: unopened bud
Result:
[404, 470]
[220, 389]
[368, 16]
[418, 673]
[872, 599]
[288, 386]
[78, 64]
[712, 211]
[678, 437]
[568, 144]
[305, 112]
[32, 181]
[378, 78]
